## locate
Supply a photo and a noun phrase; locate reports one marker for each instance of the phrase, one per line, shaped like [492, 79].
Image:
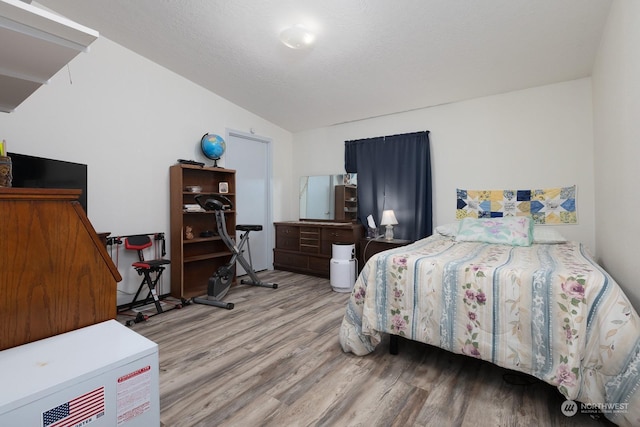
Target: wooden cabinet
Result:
[56, 274]
[287, 237]
[370, 247]
[305, 247]
[346, 203]
[330, 235]
[194, 260]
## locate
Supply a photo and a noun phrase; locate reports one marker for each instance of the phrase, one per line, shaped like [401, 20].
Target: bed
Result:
[541, 306]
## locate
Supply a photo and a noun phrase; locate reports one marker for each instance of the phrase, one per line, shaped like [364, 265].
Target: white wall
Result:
[129, 119]
[534, 138]
[616, 94]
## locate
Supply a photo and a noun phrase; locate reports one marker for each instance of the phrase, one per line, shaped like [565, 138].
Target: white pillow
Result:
[449, 230]
[547, 235]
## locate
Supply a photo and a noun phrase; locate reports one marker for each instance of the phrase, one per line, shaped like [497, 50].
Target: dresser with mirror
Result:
[328, 215]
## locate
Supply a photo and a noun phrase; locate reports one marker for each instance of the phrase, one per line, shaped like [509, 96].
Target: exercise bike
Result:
[221, 280]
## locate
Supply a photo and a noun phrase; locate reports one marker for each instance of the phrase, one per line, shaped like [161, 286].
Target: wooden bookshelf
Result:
[194, 260]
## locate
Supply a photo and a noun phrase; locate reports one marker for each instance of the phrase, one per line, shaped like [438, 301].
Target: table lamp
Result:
[388, 220]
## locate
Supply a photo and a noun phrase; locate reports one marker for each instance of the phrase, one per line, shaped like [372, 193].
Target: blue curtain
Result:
[394, 172]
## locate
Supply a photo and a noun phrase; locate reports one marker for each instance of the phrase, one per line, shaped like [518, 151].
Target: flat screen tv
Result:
[38, 172]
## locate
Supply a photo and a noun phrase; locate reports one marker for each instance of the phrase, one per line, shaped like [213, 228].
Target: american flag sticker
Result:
[81, 410]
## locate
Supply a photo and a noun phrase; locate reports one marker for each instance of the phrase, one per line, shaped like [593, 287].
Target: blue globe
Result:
[213, 147]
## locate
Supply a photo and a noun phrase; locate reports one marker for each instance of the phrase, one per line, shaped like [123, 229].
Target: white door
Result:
[250, 156]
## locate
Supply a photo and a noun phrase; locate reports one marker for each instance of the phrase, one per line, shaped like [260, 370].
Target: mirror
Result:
[318, 193]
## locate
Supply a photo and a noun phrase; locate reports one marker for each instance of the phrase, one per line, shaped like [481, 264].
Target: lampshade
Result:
[388, 218]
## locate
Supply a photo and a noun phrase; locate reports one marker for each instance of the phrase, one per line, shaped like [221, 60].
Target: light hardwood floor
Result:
[275, 360]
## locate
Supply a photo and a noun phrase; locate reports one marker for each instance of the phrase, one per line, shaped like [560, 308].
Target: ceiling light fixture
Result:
[297, 37]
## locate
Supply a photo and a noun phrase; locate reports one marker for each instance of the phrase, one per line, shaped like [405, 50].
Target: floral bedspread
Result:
[547, 310]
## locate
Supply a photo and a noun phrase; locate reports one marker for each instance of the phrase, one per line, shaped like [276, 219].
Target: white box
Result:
[101, 375]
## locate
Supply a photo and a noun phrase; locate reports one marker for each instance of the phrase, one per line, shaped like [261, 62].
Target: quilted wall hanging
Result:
[545, 206]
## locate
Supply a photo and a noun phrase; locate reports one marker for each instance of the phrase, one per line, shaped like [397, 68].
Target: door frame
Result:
[268, 186]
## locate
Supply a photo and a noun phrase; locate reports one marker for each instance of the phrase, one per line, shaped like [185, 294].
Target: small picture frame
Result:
[223, 187]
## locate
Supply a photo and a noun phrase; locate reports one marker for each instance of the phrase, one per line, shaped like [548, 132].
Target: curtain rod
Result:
[389, 136]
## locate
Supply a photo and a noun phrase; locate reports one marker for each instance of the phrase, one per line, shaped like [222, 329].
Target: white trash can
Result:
[343, 267]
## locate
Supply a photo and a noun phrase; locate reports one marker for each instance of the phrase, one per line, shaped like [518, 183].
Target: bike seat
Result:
[248, 227]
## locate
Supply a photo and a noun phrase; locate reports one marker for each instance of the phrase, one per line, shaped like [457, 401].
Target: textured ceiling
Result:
[371, 57]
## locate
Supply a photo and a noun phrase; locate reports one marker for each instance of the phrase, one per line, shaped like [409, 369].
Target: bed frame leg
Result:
[393, 344]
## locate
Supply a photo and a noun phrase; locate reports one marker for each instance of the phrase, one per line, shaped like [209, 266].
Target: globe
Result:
[213, 147]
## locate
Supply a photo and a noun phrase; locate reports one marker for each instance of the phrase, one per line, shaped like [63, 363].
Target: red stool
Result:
[145, 268]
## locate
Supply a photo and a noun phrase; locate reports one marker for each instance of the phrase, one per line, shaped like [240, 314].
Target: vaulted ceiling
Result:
[371, 57]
